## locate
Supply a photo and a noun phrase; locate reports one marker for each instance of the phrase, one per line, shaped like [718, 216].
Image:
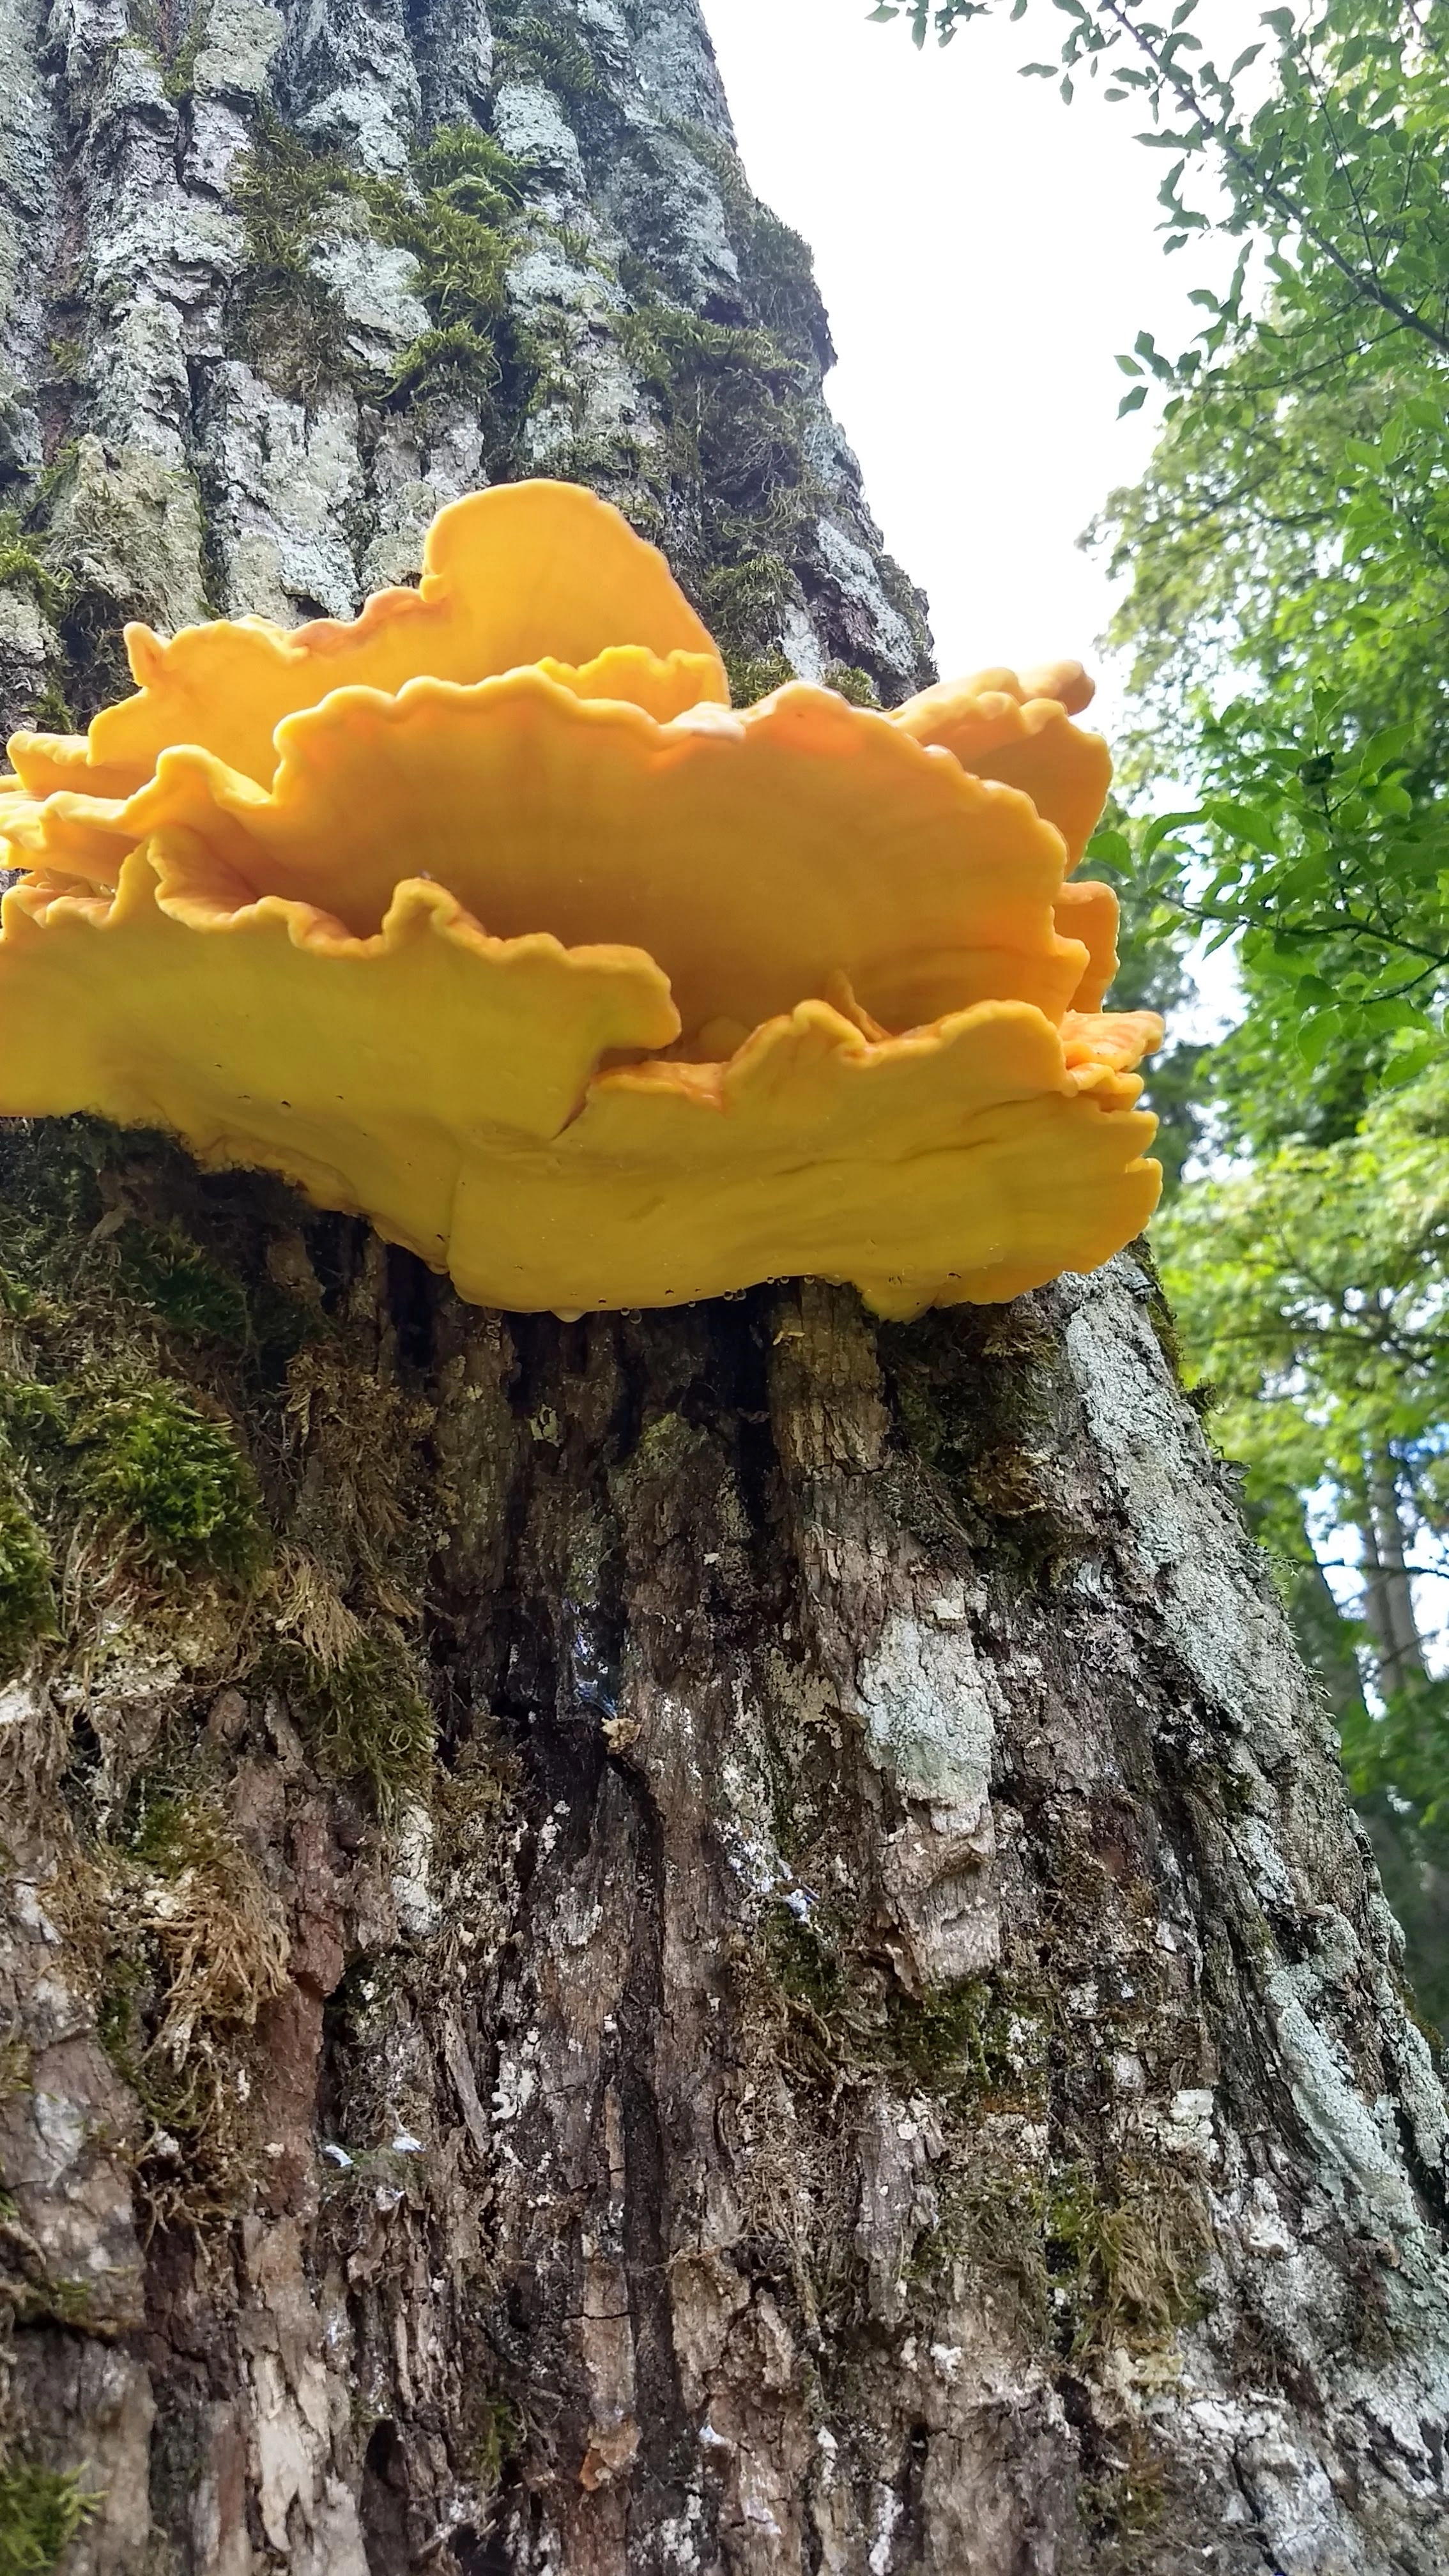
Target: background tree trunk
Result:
[1388, 1603]
[713, 1941]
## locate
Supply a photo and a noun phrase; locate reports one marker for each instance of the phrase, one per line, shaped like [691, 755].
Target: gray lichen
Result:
[329, 276]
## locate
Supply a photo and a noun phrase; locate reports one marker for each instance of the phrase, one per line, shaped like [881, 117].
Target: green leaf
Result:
[1109, 848]
[1404, 1064]
[1161, 827]
[1393, 1014]
[1310, 872]
[1246, 823]
[1388, 744]
[1318, 1034]
[1294, 960]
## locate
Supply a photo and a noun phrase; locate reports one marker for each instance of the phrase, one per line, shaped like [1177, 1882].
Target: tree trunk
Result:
[714, 1941]
[1388, 1583]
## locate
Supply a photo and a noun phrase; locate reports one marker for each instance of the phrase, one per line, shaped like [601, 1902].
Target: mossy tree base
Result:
[730, 1937]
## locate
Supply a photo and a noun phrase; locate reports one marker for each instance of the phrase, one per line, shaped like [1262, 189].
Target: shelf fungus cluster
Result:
[487, 917]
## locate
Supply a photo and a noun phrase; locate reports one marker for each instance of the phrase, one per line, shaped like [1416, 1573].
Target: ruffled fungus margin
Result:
[486, 917]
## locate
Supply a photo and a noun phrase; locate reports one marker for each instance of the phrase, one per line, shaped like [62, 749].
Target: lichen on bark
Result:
[318, 274]
[720, 1941]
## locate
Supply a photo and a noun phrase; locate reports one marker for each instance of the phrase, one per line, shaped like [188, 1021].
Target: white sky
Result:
[984, 251]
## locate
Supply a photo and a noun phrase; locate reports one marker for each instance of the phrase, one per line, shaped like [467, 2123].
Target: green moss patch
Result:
[853, 684]
[752, 676]
[774, 260]
[175, 1480]
[98, 1442]
[172, 32]
[23, 564]
[459, 220]
[456, 360]
[544, 49]
[461, 227]
[164, 1269]
[963, 2040]
[27, 1601]
[143, 1461]
[737, 595]
[734, 405]
[364, 1718]
[41, 2510]
[289, 322]
[188, 1944]
[498, 2438]
[1095, 2258]
[1125, 2251]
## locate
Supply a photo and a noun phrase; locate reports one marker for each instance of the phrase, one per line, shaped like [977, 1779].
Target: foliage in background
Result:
[1328, 165]
[1153, 974]
[1286, 569]
[1287, 553]
[1312, 1286]
[1310, 854]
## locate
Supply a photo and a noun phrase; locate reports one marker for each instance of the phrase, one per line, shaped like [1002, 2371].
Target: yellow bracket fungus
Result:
[488, 918]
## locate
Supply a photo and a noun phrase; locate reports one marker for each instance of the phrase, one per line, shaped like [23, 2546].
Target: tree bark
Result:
[721, 1941]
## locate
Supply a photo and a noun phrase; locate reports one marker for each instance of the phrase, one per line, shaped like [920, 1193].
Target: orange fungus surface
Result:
[488, 918]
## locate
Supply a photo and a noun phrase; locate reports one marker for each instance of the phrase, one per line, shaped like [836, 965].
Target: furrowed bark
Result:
[721, 1941]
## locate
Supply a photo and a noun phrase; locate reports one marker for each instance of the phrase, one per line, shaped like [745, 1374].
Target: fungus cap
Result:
[510, 576]
[752, 856]
[1025, 742]
[486, 917]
